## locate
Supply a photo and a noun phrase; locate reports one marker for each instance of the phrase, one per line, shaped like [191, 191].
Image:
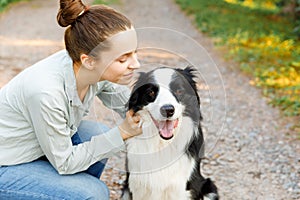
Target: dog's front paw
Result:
[210, 191]
[211, 196]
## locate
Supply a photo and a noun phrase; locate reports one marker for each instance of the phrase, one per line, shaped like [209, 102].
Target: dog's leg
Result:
[126, 194]
[209, 190]
[211, 196]
[203, 189]
[200, 187]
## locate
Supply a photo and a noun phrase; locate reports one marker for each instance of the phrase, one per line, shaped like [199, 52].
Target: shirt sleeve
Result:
[114, 96]
[49, 120]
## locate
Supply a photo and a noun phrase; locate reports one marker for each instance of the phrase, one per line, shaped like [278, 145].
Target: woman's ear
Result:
[87, 62]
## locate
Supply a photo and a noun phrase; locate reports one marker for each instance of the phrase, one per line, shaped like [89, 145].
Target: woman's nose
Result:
[135, 64]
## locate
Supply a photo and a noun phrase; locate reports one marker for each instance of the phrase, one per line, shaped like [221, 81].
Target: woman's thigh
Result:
[85, 131]
[39, 180]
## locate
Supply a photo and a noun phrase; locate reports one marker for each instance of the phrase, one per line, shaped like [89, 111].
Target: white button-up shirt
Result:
[40, 111]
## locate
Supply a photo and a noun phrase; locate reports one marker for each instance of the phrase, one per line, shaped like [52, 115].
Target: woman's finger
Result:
[136, 119]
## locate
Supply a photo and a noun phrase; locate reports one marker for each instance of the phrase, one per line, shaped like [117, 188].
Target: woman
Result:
[46, 150]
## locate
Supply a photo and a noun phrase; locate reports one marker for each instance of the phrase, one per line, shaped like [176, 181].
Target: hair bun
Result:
[69, 11]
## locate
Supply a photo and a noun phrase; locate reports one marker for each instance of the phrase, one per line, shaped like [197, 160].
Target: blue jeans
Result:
[39, 180]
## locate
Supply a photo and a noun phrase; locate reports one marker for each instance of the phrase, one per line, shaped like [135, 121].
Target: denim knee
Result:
[97, 190]
[39, 180]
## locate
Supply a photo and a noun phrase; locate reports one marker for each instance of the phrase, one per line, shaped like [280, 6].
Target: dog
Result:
[163, 163]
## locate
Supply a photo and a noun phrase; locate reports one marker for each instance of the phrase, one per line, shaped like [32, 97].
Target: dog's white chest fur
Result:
[164, 184]
[159, 169]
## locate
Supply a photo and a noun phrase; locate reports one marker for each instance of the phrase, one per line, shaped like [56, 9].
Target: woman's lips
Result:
[129, 74]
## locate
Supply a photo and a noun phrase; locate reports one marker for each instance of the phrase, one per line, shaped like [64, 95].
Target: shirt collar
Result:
[70, 82]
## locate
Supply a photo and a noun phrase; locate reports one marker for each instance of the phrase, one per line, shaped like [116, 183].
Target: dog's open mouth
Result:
[166, 128]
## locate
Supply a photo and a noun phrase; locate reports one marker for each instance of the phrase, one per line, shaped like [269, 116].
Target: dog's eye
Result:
[151, 93]
[179, 92]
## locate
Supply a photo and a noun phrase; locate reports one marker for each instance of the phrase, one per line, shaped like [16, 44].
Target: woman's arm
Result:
[49, 118]
[114, 96]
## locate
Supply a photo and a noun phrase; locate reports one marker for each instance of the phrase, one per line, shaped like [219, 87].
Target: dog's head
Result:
[167, 95]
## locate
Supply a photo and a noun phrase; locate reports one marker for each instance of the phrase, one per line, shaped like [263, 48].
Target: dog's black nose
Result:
[167, 110]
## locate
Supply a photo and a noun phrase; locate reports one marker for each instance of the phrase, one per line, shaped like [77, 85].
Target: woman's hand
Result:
[130, 126]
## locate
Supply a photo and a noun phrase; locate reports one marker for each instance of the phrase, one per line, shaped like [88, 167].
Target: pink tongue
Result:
[166, 128]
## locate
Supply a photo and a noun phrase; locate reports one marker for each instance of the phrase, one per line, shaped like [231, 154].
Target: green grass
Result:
[106, 2]
[4, 3]
[260, 40]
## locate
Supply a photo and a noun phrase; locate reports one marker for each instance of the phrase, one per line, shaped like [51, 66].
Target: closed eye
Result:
[123, 59]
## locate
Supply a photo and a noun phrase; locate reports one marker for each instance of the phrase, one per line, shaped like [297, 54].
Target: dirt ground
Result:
[251, 152]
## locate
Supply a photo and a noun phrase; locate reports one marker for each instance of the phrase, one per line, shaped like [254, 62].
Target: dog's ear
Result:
[190, 74]
[132, 100]
[190, 71]
[142, 74]
[131, 104]
[137, 80]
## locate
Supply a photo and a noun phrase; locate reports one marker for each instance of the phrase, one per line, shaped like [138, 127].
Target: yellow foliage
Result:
[295, 64]
[286, 77]
[267, 5]
[270, 45]
[248, 3]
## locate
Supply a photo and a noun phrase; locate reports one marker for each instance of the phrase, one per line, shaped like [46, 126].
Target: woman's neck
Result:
[82, 88]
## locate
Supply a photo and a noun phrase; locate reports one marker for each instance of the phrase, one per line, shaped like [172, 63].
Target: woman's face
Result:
[121, 69]
[115, 64]
[120, 60]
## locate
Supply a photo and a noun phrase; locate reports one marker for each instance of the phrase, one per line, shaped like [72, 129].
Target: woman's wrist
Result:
[124, 134]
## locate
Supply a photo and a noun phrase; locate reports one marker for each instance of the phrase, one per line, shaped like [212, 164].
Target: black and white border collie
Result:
[164, 162]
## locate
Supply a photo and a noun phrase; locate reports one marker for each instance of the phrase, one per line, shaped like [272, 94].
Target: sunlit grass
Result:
[106, 2]
[5, 3]
[266, 5]
[260, 40]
